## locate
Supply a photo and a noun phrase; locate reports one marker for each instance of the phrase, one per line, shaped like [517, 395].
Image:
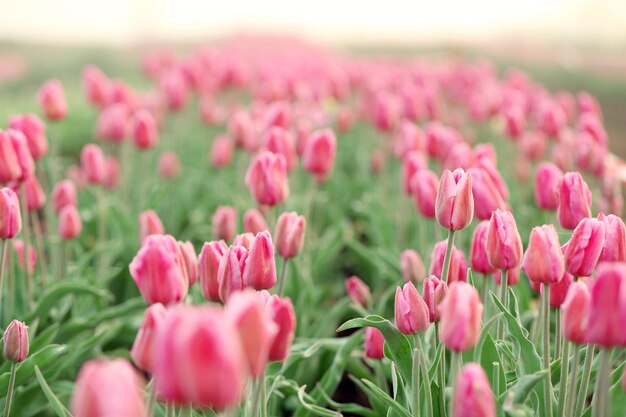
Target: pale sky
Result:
[402, 21]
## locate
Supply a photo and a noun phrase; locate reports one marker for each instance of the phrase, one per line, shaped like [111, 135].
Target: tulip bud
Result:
[114, 123]
[460, 316]
[10, 217]
[460, 156]
[412, 163]
[222, 151]
[243, 239]
[614, 239]
[212, 377]
[574, 200]
[254, 222]
[267, 180]
[16, 341]
[290, 230]
[607, 309]
[357, 290]
[319, 154]
[52, 100]
[10, 169]
[424, 186]
[374, 343]
[18, 246]
[255, 327]
[478, 250]
[543, 261]
[558, 291]
[191, 260]
[145, 130]
[35, 197]
[70, 224]
[547, 180]
[124, 394]
[93, 164]
[455, 203]
[64, 194]
[242, 130]
[169, 166]
[408, 138]
[22, 154]
[472, 393]
[279, 141]
[260, 266]
[34, 131]
[433, 292]
[574, 312]
[95, 85]
[159, 272]
[504, 244]
[458, 265]
[149, 224]
[208, 265]
[412, 266]
[112, 176]
[584, 247]
[174, 89]
[282, 313]
[411, 312]
[487, 197]
[224, 223]
[143, 347]
[230, 271]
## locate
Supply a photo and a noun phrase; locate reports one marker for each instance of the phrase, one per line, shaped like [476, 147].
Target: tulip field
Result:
[264, 227]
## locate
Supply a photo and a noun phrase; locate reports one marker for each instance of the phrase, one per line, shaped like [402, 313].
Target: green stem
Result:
[38, 231]
[601, 396]
[379, 371]
[151, 398]
[171, 410]
[496, 378]
[186, 411]
[455, 369]
[4, 249]
[9, 399]
[441, 374]
[504, 291]
[584, 386]
[415, 383]
[425, 379]
[557, 335]
[564, 376]
[263, 396]
[571, 391]
[484, 294]
[26, 239]
[446, 259]
[547, 385]
[101, 222]
[281, 279]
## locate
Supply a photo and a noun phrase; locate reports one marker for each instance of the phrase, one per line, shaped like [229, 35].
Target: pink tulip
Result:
[34, 131]
[413, 162]
[487, 197]
[260, 266]
[584, 247]
[512, 276]
[123, 396]
[243, 239]
[504, 244]
[224, 223]
[15, 340]
[190, 259]
[10, 169]
[460, 316]
[592, 124]
[174, 89]
[222, 151]
[543, 261]
[93, 164]
[547, 178]
[282, 313]
[254, 222]
[289, 235]
[412, 266]
[18, 246]
[52, 100]
[279, 141]
[114, 123]
[319, 154]
[489, 167]
[35, 197]
[533, 145]
[408, 138]
[433, 292]
[411, 312]
[10, 217]
[149, 224]
[460, 156]
[242, 130]
[186, 371]
[558, 290]
[615, 239]
[231, 270]
[22, 153]
[514, 121]
[256, 329]
[454, 208]
[374, 343]
[458, 265]
[159, 272]
[478, 250]
[70, 224]
[64, 194]
[112, 177]
[473, 396]
[424, 186]
[169, 166]
[208, 266]
[575, 311]
[95, 85]
[574, 200]
[143, 347]
[357, 290]
[145, 130]
[267, 180]
[551, 118]
[607, 309]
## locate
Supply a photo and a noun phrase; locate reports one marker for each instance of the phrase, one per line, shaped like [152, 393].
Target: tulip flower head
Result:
[454, 207]
[15, 341]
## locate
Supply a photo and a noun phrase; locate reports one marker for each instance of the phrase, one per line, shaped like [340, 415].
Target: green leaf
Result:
[60, 290]
[519, 392]
[376, 391]
[320, 411]
[397, 344]
[56, 404]
[48, 355]
[489, 356]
